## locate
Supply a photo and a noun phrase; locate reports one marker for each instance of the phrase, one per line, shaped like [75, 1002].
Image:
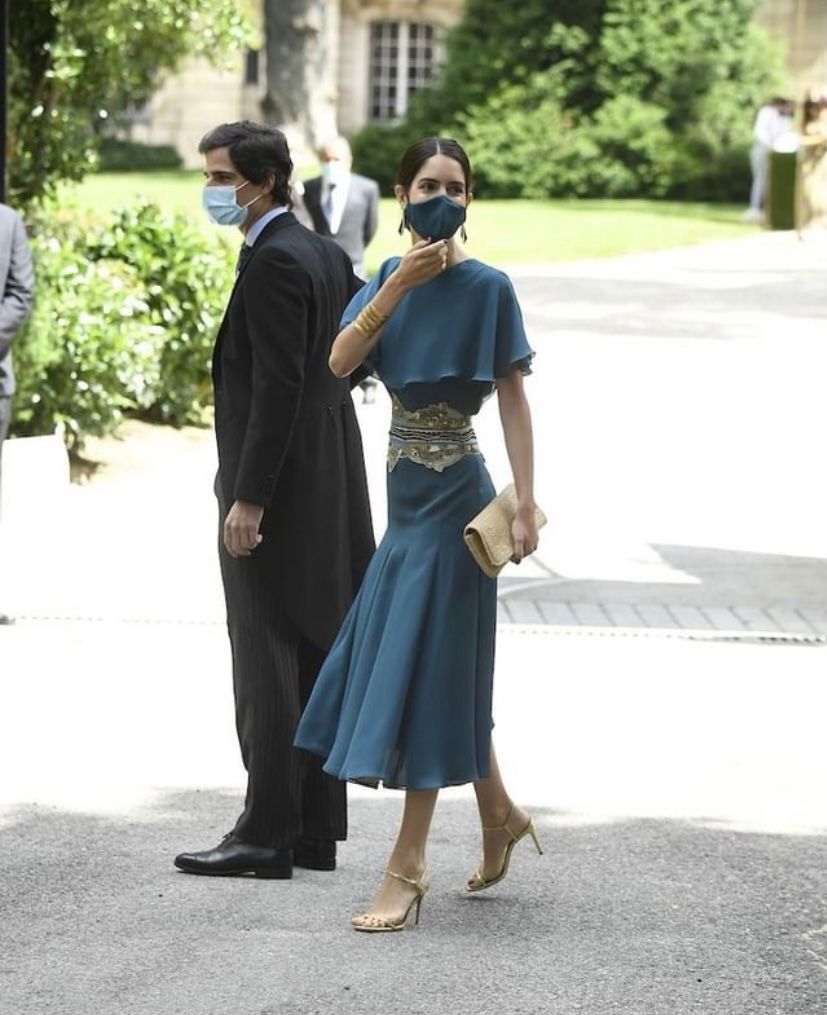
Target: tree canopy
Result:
[596, 97]
[74, 64]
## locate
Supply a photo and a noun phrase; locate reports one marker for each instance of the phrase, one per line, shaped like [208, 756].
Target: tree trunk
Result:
[302, 49]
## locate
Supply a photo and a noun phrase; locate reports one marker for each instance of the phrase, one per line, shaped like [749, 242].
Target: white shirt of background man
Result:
[334, 197]
[770, 124]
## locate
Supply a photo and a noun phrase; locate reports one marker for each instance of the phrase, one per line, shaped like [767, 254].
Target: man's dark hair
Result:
[257, 151]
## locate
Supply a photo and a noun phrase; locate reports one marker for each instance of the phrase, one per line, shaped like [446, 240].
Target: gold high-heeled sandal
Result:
[478, 882]
[379, 925]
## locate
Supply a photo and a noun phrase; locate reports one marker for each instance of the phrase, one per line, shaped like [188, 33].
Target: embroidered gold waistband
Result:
[435, 436]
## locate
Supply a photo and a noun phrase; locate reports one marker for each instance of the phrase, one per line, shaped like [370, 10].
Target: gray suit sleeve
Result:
[16, 303]
[372, 218]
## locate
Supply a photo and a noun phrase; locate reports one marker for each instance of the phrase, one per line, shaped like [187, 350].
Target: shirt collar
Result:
[257, 227]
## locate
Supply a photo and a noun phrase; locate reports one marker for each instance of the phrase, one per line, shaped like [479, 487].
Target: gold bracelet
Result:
[370, 320]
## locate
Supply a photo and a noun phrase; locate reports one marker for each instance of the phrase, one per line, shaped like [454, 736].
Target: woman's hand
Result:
[424, 261]
[524, 533]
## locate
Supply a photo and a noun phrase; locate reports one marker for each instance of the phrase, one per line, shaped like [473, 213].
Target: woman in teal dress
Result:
[404, 697]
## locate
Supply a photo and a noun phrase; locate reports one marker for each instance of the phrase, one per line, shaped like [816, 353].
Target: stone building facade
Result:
[802, 25]
[387, 49]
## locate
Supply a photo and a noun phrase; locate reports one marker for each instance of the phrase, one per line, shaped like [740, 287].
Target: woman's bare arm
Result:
[515, 416]
[424, 261]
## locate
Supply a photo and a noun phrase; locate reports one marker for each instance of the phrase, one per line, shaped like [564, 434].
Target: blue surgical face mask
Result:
[438, 218]
[221, 206]
[334, 172]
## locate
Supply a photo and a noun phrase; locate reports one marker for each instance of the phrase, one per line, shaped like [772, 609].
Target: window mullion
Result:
[402, 71]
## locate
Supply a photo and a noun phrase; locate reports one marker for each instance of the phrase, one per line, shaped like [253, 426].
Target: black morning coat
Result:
[286, 427]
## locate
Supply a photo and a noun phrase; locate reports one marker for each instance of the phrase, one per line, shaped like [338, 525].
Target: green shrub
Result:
[90, 351]
[116, 156]
[377, 150]
[598, 98]
[188, 276]
[124, 322]
[635, 149]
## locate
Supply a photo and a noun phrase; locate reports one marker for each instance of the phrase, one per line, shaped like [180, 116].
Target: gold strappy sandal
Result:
[378, 925]
[478, 882]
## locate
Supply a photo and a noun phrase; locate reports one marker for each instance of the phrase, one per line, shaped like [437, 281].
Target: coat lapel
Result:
[279, 222]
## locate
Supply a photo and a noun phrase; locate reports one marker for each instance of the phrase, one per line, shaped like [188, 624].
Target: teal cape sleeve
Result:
[464, 324]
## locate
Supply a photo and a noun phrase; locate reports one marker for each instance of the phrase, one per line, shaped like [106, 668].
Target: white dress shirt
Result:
[334, 199]
[255, 229]
[770, 125]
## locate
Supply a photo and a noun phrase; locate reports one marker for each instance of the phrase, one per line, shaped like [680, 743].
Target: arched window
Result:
[404, 57]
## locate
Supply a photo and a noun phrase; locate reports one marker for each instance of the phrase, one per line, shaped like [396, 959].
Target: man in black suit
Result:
[343, 204]
[295, 530]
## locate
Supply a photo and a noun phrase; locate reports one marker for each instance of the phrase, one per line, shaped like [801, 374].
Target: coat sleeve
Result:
[16, 303]
[372, 217]
[277, 297]
[355, 283]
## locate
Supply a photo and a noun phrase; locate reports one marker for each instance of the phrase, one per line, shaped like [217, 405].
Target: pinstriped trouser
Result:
[274, 669]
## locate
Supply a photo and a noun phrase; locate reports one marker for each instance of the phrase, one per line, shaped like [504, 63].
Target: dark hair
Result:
[419, 153]
[257, 151]
[811, 111]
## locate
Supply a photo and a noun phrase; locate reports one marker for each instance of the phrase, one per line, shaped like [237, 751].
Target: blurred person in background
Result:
[345, 206]
[342, 204]
[811, 179]
[773, 122]
[17, 282]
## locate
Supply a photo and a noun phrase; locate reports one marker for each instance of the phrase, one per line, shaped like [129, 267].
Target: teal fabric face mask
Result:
[438, 218]
[221, 206]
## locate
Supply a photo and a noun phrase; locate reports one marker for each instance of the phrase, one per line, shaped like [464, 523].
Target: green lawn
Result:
[502, 232]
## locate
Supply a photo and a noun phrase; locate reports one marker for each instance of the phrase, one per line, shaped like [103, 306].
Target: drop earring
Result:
[463, 235]
[402, 222]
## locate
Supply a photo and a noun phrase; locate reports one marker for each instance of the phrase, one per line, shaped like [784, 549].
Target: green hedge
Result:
[124, 321]
[188, 277]
[117, 156]
[595, 98]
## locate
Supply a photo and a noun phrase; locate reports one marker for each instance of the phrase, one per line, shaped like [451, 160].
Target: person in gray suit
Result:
[17, 286]
[342, 204]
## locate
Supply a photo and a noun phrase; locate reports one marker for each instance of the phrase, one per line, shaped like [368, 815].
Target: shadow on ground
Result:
[628, 916]
[714, 577]
[663, 310]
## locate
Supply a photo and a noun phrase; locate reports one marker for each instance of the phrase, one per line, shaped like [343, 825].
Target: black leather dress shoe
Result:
[232, 857]
[315, 854]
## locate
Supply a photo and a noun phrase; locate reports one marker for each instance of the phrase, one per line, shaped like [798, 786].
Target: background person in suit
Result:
[343, 204]
[295, 529]
[17, 287]
[773, 120]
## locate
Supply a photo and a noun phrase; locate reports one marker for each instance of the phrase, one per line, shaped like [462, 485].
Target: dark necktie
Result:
[243, 255]
[327, 207]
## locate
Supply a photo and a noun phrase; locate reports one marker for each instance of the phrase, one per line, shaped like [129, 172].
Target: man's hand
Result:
[241, 535]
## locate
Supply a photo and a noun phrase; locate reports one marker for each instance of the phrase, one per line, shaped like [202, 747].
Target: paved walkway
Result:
[693, 390]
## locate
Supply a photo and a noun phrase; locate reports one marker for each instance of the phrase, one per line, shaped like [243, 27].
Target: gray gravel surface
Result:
[631, 916]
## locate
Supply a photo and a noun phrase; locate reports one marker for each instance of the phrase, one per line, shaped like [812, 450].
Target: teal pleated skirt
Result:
[404, 697]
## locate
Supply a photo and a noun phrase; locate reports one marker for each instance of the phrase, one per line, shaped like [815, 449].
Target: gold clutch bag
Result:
[488, 536]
